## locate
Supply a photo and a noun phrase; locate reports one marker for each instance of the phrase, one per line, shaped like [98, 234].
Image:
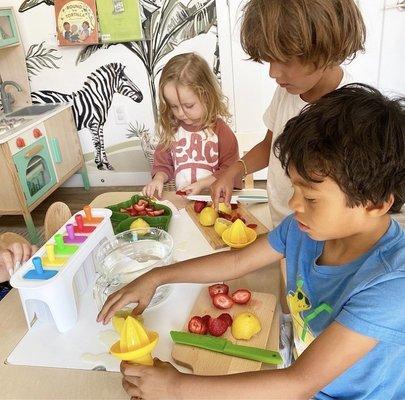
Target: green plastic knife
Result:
[224, 346]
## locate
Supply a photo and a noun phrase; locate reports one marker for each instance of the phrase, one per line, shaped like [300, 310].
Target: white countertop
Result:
[30, 121]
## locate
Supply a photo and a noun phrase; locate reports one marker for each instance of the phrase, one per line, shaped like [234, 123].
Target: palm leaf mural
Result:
[39, 57]
[164, 26]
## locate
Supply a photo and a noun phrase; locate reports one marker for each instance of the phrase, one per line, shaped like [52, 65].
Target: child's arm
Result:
[256, 159]
[330, 355]
[199, 186]
[213, 268]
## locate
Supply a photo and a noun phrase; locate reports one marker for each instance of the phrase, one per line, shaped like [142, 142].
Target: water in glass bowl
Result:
[129, 255]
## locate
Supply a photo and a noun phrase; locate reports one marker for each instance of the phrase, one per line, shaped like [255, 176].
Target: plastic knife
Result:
[244, 196]
[224, 346]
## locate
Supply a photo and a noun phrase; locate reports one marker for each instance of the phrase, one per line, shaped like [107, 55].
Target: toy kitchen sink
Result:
[40, 150]
[33, 110]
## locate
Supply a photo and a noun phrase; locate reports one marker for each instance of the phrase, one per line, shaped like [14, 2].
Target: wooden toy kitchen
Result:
[39, 144]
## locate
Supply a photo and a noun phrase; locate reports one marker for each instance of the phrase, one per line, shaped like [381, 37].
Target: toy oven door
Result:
[35, 170]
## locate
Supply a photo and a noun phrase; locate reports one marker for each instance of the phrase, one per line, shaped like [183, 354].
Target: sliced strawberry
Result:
[197, 325]
[158, 212]
[234, 206]
[218, 288]
[222, 301]
[133, 212]
[206, 318]
[139, 207]
[241, 296]
[143, 212]
[227, 318]
[143, 202]
[217, 326]
[150, 209]
[253, 226]
[199, 205]
[150, 213]
[181, 193]
[224, 215]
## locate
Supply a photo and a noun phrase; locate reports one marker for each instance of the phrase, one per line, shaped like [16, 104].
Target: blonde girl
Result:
[195, 143]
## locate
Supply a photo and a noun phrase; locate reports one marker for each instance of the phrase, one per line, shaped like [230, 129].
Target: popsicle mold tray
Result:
[51, 283]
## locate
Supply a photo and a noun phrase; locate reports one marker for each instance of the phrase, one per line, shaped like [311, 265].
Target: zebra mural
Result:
[92, 102]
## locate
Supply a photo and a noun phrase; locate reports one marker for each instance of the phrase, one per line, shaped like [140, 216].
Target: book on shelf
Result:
[119, 20]
[76, 22]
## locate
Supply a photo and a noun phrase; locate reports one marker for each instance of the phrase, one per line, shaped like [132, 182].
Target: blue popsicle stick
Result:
[39, 272]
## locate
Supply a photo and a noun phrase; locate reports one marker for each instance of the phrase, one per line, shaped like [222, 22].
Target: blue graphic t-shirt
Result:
[366, 296]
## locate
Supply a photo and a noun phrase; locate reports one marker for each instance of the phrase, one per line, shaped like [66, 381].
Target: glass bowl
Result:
[129, 255]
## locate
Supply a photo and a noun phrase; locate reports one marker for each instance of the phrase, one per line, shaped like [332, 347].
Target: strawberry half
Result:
[241, 296]
[197, 325]
[217, 327]
[199, 205]
[181, 193]
[222, 301]
[218, 288]
[206, 318]
[253, 226]
[227, 318]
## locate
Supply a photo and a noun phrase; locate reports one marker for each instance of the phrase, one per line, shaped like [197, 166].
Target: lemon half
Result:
[245, 325]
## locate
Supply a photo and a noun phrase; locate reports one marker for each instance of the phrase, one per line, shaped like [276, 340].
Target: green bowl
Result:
[122, 221]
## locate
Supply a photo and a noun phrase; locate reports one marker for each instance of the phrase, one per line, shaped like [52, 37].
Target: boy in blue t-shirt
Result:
[345, 155]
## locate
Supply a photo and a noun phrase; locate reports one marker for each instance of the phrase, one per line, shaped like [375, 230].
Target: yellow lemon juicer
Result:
[238, 235]
[135, 344]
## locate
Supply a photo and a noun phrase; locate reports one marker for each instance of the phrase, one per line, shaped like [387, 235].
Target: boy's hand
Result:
[140, 290]
[221, 189]
[150, 382]
[12, 258]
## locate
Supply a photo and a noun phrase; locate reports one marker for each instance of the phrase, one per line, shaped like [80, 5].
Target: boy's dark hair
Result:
[354, 135]
[322, 32]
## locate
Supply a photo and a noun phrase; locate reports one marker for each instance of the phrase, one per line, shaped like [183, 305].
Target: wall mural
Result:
[164, 28]
[39, 57]
[166, 24]
[91, 104]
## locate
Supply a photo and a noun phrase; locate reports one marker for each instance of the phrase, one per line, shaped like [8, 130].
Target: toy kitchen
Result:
[38, 158]
[39, 144]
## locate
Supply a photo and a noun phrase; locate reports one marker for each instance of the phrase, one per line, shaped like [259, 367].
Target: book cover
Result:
[76, 22]
[119, 20]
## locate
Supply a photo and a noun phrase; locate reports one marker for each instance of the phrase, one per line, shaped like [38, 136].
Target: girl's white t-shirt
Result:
[282, 108]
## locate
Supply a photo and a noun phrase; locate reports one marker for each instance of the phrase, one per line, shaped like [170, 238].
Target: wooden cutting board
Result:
[209, 232]
[206, 362]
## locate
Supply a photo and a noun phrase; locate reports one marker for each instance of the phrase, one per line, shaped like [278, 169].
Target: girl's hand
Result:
[159, 381]
[151, 187]
[194, 188]
[138, 291]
